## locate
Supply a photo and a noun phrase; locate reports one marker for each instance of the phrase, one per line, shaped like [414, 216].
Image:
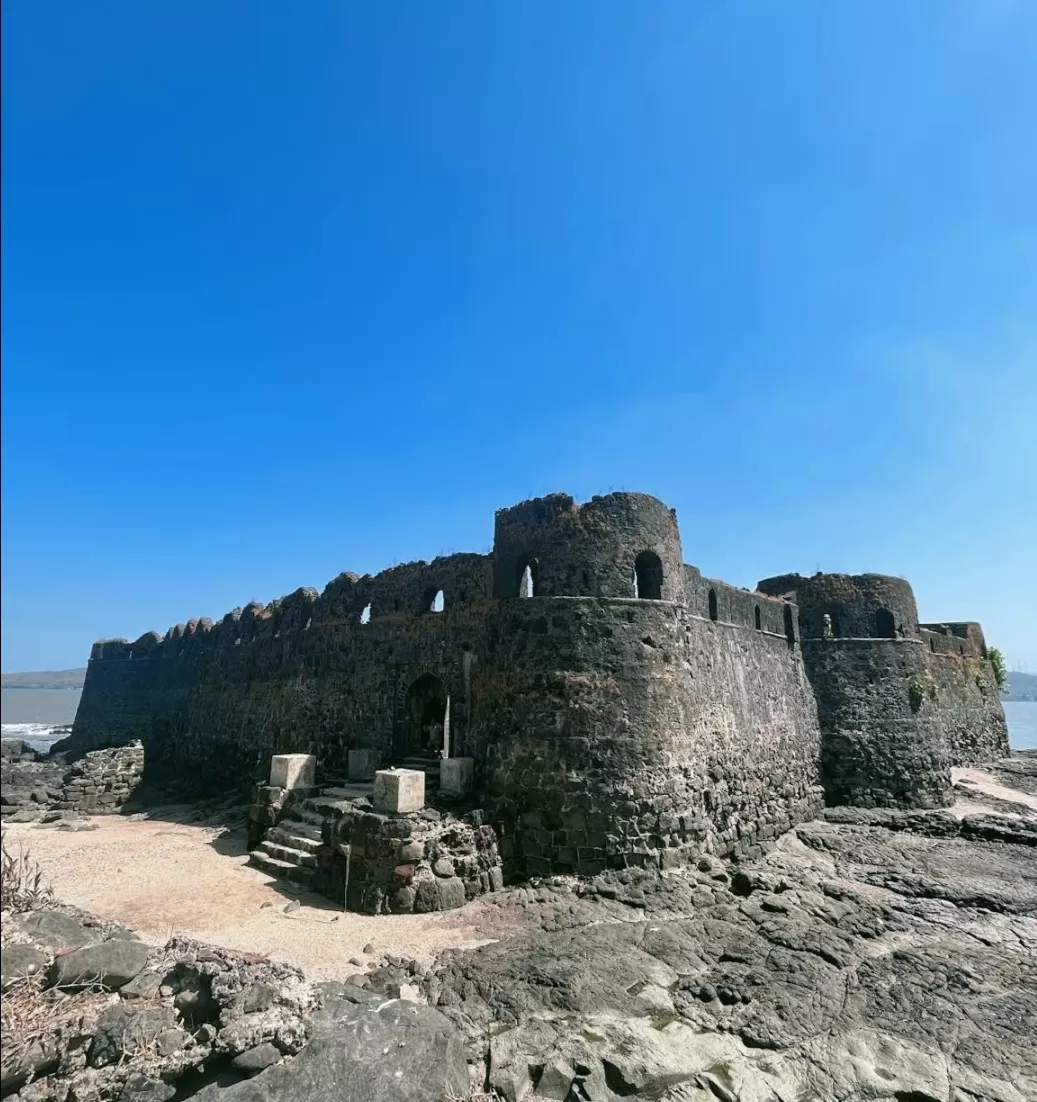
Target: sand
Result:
[163, 878]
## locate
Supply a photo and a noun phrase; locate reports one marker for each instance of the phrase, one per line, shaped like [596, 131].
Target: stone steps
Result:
[302, 816]
[428, 766]
[285, 870]
[291, 856]
[294, 838]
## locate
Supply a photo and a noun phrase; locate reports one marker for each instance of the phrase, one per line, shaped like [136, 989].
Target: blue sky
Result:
[291, 289]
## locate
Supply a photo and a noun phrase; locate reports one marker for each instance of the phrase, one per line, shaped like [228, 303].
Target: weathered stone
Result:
[121, 1031]
[19, 962]
[256, 1059]
[141, 1088]
[368, 1051]
[108, 965]
[411, 851]
[399, 790]
[443, 866]
[56, 931]
[451, 894]
[456, 776]
[290, 771]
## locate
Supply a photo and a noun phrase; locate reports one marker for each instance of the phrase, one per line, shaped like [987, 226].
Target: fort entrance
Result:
[426, 717]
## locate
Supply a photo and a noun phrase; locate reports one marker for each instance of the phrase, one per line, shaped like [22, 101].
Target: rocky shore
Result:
[870, 955]
[29, 781]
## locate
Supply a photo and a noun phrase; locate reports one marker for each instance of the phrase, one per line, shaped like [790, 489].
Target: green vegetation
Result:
[997, 660]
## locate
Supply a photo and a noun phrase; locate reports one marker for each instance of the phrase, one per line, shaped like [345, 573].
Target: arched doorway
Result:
[648, 576]
[426, 719]
[885, 625]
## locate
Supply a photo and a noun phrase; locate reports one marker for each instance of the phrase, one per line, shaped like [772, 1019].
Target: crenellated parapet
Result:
[899, 703]
[619, 545]
[619, 706]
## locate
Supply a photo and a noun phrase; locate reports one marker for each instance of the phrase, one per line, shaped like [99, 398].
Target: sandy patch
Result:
[979, 783]
[163, 878]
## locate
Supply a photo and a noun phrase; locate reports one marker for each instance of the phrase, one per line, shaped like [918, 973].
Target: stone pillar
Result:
[455, 776]
[399, 790]
[293, 771]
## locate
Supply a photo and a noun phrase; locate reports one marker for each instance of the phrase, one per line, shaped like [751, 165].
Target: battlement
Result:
[618, 706]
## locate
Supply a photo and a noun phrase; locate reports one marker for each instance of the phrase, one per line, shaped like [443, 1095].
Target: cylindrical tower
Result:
[619, 545]
[858, 606]
[883, 743]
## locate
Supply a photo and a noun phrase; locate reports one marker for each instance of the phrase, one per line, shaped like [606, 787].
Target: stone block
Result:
[399, 790]
[456, 776]
[363, 764]
[293, 771]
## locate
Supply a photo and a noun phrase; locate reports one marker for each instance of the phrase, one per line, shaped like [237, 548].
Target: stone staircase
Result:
[428, 766]
[289, 850]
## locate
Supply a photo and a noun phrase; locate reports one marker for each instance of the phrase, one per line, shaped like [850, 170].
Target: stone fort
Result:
[611, 705]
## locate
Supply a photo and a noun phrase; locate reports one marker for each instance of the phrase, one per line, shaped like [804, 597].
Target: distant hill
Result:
[44, 679]
[1021, 686]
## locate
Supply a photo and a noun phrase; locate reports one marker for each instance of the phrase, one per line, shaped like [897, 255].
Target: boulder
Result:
[363, 1048]
[139, 1088]
[58, 932]
[256, 1059]
[18, 962]
[109, 964]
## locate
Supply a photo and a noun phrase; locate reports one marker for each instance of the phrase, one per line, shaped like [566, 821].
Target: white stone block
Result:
[456, 776]
[399, 790]
[363, 764]
[293, 771]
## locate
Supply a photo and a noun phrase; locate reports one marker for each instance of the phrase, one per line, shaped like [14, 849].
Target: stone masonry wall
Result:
[607, 728]
[969, 708]
[634, 734]
[102, 781]
[883, 741]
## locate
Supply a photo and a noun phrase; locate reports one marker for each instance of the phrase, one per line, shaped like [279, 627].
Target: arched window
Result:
[790, 627]
[757, 620]
[932, 645]
[365, 616]
[528, 577]
[433, 601]
[885, 625]
[836, 627]
[648, 576]
[712, 604]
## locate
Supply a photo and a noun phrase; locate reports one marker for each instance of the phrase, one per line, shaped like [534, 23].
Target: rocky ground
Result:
[29, 781]
[871, 955]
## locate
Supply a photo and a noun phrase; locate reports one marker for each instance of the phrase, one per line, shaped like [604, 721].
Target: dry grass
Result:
[22, 887]
[33, 1020]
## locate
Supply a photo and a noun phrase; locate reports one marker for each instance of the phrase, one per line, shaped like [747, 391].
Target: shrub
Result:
[21, 881]
[997, 660]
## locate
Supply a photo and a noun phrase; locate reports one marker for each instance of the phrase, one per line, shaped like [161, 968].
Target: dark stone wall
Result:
[860, 606]
[634, 733]
[882, 739]
[586, 550]
[969, 708]
[607, 729]
[899, 703]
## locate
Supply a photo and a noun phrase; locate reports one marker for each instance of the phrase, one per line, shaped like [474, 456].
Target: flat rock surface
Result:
[872, 955]
[883, 955]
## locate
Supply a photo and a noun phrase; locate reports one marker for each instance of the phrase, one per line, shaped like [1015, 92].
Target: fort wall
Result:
[899, 703]
[620, 706]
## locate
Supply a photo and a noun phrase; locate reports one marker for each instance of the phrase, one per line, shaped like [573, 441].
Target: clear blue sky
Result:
[291, 289]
